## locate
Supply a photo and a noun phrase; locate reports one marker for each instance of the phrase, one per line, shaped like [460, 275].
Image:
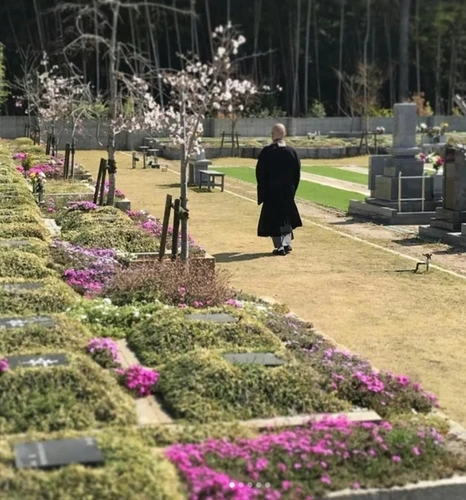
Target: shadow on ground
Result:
[410, 242]
[239, 257]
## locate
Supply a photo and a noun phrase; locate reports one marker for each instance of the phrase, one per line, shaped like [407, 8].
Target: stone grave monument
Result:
[200, 162]
[449, 221]
[385, 203]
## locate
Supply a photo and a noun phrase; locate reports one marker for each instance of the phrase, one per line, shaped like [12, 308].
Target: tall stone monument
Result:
[384, 204]
[449, 222]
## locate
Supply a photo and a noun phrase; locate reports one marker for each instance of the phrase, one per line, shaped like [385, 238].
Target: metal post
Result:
[399, 191]
[423, 194]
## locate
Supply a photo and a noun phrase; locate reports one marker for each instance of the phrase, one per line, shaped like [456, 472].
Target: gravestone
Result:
[195, 165]
[256, 358]
[57, 453]
[21, 287]
[44, 321]
[214, 318]
[15, 243]
[449, 222]
[387, 203]
[39, 361]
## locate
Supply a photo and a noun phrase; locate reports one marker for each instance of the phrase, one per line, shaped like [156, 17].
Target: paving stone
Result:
[21, 322]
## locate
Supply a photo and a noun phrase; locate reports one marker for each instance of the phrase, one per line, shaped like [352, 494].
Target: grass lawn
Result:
[62, 186]
[311, 191]
[337, 173]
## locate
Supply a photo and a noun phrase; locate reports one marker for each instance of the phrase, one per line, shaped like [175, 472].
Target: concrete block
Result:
[376, 167]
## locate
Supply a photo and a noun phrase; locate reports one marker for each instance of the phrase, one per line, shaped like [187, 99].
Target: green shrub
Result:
[14, 264]
[168, 334]
[203, 387]
[14, 189]
[105, 319]
[35, 246]
[132, 471]
[54, 296]
[17, 201]
[21, 230]
[171, 282]
[107, 216]
[80, 395]
[27, 215]
[20, 142]
[125, 239]
[67, 334]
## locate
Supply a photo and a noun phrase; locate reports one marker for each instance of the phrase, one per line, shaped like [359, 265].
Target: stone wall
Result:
[94, 136]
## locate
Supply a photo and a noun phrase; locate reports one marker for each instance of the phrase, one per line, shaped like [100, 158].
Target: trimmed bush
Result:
[28, 215]
[14, 264]
[168, 334]
[76, 219]
[21, 230]
[54, 296]
[80, 395]
[67, 334]
[125, 239]
[203, 387]
[132, 471]
[173, 283]
[17, 201]
[20, 142]
[36, 246]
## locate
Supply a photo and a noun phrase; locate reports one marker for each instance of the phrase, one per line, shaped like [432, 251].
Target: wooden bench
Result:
[211, 176]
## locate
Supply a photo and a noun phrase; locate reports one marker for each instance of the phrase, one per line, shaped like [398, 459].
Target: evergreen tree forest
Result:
[323, 53]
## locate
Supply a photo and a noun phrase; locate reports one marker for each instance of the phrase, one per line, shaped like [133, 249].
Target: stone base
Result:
[123, 205]
[450, 238]
[387, 215]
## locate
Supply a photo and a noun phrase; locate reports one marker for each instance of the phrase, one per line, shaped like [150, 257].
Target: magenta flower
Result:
[138, 379]
[4, 366]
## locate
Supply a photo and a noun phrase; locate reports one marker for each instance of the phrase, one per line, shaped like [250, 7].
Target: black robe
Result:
[277, 172]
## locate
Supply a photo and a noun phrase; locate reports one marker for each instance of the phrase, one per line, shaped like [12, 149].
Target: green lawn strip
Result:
[337, 173]
[310, 191]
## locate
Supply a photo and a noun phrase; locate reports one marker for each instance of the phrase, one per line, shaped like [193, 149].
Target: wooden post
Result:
[221, 145]
[66, 163]
[100, 175]
[166, 221]
[73, 151]
[102, 182]
[47, 145]
[237, 143]
[176, 228]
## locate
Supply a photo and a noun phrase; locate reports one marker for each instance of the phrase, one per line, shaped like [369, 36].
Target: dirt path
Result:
[364, 297]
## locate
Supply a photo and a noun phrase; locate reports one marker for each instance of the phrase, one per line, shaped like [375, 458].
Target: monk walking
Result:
[278, 172]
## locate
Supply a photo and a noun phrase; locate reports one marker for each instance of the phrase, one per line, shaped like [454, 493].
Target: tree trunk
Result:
[403, 91]
[316, 47]
[177, 30]
[97, 51]
[113, 87]
[209, 27]
[391, 80]
[438, 77]
[257, 15]
[340, 53]
[153, 44]
[39, 25]
[296, 68]
[184, 186]
[452, 74]
[366, 67]
[418, 51]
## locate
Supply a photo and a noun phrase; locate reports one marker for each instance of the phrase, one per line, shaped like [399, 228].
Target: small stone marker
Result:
[39, 361]
[15, 243]
[214, 318]
[256, 358]
[56, 453]
[45, 321]
[20, 287]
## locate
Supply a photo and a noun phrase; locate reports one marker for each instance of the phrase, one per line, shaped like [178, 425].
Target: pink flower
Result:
[416, 451]
[326, 480]
[396, 458]
[356, 486]
[4, 366]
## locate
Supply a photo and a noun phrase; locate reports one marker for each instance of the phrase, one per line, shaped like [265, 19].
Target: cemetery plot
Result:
[131, 468]
[37, 361]
[16, 264]
[168, 334]
[204, 387]
[29, 297]
[78, 395]
[42, 332]
[254, 358]
[213, 317]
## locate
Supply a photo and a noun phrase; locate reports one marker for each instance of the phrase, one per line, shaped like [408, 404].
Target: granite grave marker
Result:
[214, 318]
[17, 322]
[57, 453]
[256, 358]
[39, 361]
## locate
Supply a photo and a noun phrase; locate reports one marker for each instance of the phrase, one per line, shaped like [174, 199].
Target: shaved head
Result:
[278, 132]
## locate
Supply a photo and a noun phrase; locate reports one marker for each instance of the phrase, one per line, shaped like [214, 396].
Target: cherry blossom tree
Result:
[200, 88]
